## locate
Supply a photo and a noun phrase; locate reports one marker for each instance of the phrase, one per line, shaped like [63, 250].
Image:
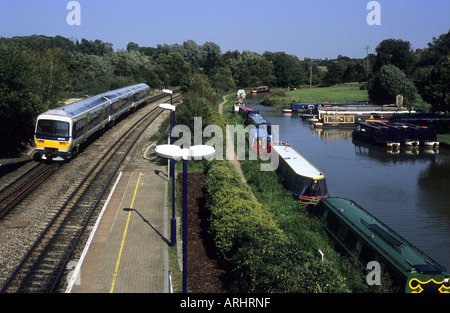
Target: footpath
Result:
[231, 155]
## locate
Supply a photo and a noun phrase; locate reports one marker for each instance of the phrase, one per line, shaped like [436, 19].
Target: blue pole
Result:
[184, 225]
[173, 223]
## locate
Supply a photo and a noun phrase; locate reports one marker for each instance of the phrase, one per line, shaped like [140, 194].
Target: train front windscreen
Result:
[52, 129]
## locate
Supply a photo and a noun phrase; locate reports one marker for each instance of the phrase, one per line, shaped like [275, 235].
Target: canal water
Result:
[410, 192]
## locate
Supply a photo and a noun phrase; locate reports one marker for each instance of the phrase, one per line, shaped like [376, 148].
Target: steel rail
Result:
[14, 197]
[63, 266]
[33, 247]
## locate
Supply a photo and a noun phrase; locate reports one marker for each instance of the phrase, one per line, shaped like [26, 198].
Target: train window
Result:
[79, 128]
[94, 119]
[52, 128]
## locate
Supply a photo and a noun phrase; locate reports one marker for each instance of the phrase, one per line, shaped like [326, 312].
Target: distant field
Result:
[328, 94]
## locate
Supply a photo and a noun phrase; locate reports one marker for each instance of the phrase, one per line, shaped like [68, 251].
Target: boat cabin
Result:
[302, 178]
[361, 234]
[375, 133]
[259, 141]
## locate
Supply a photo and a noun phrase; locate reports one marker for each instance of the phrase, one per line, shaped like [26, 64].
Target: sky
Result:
[314, 29]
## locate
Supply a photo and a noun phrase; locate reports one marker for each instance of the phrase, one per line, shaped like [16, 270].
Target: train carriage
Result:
[60, 132]
[302, 178]
[360, 233]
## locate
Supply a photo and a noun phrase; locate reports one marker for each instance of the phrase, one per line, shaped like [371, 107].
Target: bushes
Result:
[260, 255]
[236, 217]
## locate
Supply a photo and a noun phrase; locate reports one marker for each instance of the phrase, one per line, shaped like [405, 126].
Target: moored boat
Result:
[377, 134]
[287, 109]
[260, 89]
[361, 234]
[300, 176]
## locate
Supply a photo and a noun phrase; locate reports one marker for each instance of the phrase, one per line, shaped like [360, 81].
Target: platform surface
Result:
[129, 249]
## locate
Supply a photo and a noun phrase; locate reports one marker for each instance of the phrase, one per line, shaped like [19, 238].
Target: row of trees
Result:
[398, 69]
[38, 72]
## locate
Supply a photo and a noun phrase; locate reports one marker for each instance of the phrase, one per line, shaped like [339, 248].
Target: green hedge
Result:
[260, 255]
[235, 215]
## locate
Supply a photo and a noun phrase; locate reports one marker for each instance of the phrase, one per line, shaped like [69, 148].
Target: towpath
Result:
[231, 155]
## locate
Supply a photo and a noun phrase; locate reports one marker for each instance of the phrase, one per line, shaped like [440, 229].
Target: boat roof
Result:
[83, 106]
[259, 119]
[401, 253]
[297, 162]
[258, 132]
[246, 108]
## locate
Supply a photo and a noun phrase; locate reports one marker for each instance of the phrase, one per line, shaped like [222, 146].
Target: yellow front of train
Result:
[52, 137]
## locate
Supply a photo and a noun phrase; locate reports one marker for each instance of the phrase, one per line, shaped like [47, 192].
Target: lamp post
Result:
[173, 223]
[174, 152]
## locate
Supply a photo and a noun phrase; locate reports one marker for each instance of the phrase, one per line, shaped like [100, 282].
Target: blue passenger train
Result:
[60, 132]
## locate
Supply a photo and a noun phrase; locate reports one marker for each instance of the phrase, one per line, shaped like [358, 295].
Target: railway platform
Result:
[128, 248]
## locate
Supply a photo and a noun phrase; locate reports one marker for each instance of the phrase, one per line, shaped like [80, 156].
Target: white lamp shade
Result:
[169, 151]
[176, 153]
[167, 106]
[201, 151]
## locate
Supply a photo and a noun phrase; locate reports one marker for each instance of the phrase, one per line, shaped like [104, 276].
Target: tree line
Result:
[38, 72]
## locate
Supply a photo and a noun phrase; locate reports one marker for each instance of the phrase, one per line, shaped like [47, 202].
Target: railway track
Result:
[13, 194]
[44, 265]
[17, 191]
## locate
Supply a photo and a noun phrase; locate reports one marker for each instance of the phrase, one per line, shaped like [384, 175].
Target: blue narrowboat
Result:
[260, 122]
[259, 140]
[378, 134]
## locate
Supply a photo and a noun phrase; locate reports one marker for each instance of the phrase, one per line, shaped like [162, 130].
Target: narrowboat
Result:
[239, 102]
[336, 121]
[259, 140]
[302, 178]
[361, 234]
[428, 137]
[439, 122]
[260, 89]
[377, 134]
[241, 94]
[260, 122]
[408, 136]
[305, 108]
[245, 111]
[350, 115]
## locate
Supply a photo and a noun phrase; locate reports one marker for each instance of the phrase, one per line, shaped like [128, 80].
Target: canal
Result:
[407, 191]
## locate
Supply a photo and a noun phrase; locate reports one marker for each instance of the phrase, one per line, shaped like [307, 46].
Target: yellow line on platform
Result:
[124, 236]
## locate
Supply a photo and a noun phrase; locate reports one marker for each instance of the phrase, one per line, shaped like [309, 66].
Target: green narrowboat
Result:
[361, 234]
